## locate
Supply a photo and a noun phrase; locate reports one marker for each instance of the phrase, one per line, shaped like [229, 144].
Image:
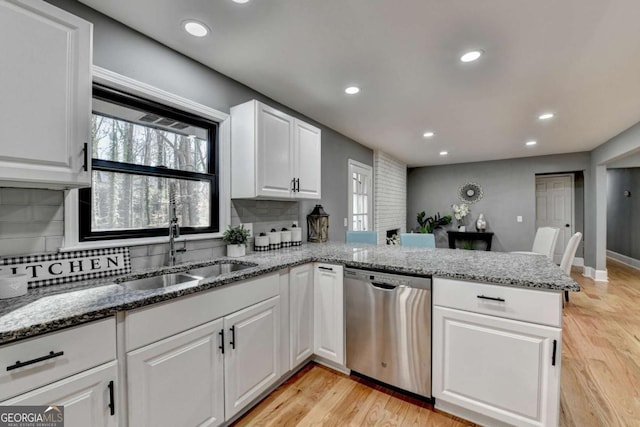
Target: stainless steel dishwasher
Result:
[388, 328]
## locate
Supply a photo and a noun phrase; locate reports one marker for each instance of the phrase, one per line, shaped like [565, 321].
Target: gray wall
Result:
[509, 191]
[127, 52]
[623, 213]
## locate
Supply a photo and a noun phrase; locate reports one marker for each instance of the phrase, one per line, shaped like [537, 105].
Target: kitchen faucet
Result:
[174, 227]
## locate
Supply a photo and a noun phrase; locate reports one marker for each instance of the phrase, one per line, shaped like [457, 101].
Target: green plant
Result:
[428, 224]
[235, 235]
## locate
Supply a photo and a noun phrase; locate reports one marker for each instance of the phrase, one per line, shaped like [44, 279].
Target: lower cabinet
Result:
[504, 369]
[328, 309]
[88, 397]
[179, 380]
[207, 374]
[301, 312]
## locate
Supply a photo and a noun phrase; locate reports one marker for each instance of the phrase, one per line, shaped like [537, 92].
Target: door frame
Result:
[572, 177]
[351, 164]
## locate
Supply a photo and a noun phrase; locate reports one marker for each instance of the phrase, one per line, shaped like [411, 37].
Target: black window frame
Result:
[85, 194]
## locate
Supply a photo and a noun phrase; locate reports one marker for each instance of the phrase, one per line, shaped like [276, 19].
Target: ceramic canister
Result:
[285, 237]
[275, 240]
[296, 236]
[12, 285]
[261, 243]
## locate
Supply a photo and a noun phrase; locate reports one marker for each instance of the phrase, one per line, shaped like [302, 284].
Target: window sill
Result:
[104, 244]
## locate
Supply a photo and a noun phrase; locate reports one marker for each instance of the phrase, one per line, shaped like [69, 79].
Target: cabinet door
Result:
[504, 369]
[253, 352]
[46, 95]
[179, 380]
[275, 152]
[85, 397]
[301, 320]
[307, 170]
[328, 309]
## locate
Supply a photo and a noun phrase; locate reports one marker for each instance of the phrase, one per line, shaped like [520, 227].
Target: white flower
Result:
[460, 211]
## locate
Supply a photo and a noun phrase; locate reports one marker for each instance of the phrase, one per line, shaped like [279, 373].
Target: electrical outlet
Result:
[519, 218]
[346, 222]
[249, 227]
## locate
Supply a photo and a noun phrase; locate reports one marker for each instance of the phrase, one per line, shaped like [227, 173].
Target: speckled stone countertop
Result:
[55, 307]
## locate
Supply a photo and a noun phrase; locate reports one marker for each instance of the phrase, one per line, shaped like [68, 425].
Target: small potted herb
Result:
[236, 240]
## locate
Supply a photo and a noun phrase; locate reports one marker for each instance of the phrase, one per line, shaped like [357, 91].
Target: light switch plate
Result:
[519, 218]
[346, 224]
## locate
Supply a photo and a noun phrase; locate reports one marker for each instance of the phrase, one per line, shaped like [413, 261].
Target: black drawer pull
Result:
[85, 150]
[20, 364]
[221, 346]
[325, 268]
[233, 337]
[112, 400]
[553, 355]
[491, 298]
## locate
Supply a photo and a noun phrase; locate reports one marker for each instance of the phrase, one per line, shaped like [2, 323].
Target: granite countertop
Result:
[55, 307]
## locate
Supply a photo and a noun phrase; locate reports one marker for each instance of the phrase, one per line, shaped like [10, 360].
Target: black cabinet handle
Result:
[112, 400]
[325, 268]
[553, 355]
[298, 185]
[491, 298]
[20, 364]
[293, 185]
[85, 151]
[567, 225]
[221, 346]
[233, 337]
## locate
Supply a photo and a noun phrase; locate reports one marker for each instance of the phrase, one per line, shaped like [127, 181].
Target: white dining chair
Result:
[544, 243]
[569, 255]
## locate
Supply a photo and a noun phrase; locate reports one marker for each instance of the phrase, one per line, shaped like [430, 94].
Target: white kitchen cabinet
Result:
[301, 313]
[87, 397]
[179, 380]
[46, 96]
[328, 310]
[492, 369]
[273, 155]
[252, 355]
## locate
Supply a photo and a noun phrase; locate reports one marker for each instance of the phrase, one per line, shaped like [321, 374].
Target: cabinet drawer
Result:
[82, 348]
[528, 305]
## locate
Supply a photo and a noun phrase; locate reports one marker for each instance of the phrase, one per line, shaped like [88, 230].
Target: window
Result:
[360, 196]
[141, 152]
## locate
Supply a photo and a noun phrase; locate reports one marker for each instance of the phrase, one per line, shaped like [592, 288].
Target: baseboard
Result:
[468, 415]
[626, 260]
[597, 275]
[331, 365]
[578, 262]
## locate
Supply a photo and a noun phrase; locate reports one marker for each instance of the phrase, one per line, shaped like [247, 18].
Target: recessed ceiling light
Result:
[428, 134]
[530, 143]
[471, 56]
[352, 90]
[241, 1]
[546, 116]
[195, 28]
[444, 153]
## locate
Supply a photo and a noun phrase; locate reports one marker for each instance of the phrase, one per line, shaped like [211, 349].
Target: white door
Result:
[86, 397]
[307, 171]
[328, 309]
[45, 104]
[275, 152]
[178, 381]
[301, 320]
[554, 208]
[253, 352]
[501, 368]
[360, 196]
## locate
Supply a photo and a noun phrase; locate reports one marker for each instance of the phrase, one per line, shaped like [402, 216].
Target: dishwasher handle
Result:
[383, 286]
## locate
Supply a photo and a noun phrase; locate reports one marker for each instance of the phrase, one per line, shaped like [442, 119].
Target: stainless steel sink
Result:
[157, 282]
[217, 269]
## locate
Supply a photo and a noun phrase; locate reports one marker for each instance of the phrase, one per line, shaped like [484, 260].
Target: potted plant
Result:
[236, 240]
[429, 224]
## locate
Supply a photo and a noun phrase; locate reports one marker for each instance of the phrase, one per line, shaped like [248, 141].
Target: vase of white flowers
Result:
[459, 213]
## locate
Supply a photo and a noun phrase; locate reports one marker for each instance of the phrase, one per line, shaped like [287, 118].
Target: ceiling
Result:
[577, 58]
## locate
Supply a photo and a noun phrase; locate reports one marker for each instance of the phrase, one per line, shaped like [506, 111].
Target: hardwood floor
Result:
[600, 373]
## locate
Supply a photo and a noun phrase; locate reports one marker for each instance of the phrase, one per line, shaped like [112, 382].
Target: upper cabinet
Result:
[46, 96]
[273, 155]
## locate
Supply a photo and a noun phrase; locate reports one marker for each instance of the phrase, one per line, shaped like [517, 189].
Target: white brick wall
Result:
[390, 194]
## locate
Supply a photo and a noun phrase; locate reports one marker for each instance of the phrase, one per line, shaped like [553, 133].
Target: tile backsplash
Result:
[31, 221]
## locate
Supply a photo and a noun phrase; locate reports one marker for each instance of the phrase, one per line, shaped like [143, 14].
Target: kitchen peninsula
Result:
[485, 304]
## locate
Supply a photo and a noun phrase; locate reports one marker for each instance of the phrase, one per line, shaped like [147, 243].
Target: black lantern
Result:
[318, 225]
